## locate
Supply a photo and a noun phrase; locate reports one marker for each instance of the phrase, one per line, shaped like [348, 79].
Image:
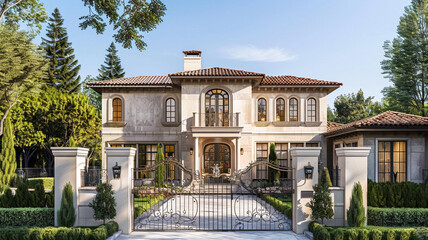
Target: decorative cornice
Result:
[353, 151]
[120, 151]
[69, 151]
[305, 151]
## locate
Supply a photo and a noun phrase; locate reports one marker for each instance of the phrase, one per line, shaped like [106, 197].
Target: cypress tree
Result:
[356, 212]
[39, 199]
[63, 72]
[8, 154]
[273, 174]
[112, 68]
[159, 171]
[66, 213]
[23, 197]
[325, 177]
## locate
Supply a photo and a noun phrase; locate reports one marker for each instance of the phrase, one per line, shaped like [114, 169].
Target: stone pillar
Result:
[196, 159]
[122, 187]
[69, 161]
[352, 163]
[303, 188]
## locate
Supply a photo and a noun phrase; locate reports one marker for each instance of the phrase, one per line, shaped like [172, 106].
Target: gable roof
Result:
[293, 80]
[216, 72]
[138, 80]
[388, 119]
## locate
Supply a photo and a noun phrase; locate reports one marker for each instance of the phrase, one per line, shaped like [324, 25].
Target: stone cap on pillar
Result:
[305, 151]
[353, 151]
[69, 151]
[120, 151]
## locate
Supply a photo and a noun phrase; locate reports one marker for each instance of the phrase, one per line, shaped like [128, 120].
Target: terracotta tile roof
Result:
[192, 52]
[217, 72]
[138, 80]
[333, 125]
[293, 80]
[386, 119]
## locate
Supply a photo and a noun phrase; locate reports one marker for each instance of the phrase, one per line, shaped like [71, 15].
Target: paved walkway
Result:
[283, 235]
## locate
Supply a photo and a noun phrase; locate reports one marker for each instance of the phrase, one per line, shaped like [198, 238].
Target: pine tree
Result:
[356, 212]
[321, 204]
[273, 174]
[112, 68]
[39, 199]
[8, 155]
[63, 72]
[159, 171]
[104, 204]
[66, 213]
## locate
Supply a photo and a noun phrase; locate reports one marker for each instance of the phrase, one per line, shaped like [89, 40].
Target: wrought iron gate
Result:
[252, 199]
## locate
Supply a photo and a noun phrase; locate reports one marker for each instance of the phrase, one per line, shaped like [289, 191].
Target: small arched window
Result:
[170, 110]
[294, 111]
[312, 110]
[117, 110]
[280, 110]
[261, 110]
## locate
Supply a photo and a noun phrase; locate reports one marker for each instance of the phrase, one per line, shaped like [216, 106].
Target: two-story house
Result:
[208, 116]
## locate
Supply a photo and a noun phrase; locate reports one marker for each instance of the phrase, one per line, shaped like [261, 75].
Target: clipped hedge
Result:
[58, 233]
[14, 217]
[48, 182]
[397, 195]
[283, 207]
[397, 217]
[321, 232]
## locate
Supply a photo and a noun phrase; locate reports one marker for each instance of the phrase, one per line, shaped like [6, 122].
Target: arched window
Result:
[117, 110]
[261, 110]
[312, 110]
[294, 112]
[280, 110]
[216, 108]
[170, 110]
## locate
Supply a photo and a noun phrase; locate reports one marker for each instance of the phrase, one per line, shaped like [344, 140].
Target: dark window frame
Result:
[261, 110]
[293, 110]
[392, 175]
[171, 110]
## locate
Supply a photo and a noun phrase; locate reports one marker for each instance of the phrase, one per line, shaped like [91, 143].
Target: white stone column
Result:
[302, 157]
[69, 161]
[352, 163]
[122, 187]
[238, 154]
[197, 164]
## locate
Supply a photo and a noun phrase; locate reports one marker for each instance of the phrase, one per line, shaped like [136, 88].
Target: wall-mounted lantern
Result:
[309, 170]
[191, 151]
[116, 171]
[242, 151]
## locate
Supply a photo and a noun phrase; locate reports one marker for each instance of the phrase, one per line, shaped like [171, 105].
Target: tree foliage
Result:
[354, 106]
[273, 174]
[104, 204]
[8, 155]
[406, 61]
[21, 68]
[356, 212]
[66, 213]
[93, 96]
[159, 171]
[113, 67]
[321, 204]
[30, 12]
[63, 72]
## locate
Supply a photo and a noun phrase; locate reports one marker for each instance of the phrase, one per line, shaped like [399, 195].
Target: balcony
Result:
[216, 125]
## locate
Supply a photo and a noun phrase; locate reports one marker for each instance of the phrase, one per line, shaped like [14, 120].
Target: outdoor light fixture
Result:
[191, 151]
[242, 151]
[116, 171]
[308, 171]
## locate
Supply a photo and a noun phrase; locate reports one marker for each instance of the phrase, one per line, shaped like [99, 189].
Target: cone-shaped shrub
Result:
[356, 212]
[7, 199]
[8, 154]
[39, 196]
[66, 213]
[159, 171]
[23, 197]
[321, 204]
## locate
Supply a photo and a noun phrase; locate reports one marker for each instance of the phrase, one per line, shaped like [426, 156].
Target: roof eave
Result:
[331, 88]
[97, 88]
[336, 133]
[178, 79]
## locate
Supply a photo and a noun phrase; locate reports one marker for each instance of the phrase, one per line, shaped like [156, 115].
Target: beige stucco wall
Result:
[143, 113]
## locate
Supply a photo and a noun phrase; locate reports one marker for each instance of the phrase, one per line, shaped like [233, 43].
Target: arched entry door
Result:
[217, 153]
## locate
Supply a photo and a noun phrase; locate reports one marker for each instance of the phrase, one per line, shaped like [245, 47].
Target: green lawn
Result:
[144, 203]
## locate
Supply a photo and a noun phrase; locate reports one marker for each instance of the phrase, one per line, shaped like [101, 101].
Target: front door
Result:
[217, 155]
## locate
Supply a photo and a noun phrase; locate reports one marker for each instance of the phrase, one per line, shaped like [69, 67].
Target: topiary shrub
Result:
[66, 213]
[390, 235]
[364, 234]
[39, 196]
[104, 204]
[352, 234]
[321, 204]
[50, 199]
[337, 234]
[7, 200]
[376, 234]
[321, 233]
[159, 171]
[356, 212]
[23, 197]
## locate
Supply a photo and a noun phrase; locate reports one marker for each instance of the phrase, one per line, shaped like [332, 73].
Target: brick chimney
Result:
[192, 60]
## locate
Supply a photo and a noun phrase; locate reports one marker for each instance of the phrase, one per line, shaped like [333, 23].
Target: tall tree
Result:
[93, 96]
[406, 63]
[128, 18]
[63, 72]
[7, 157]
[30, 12]
[112, 68]
[354, 106]
[21, 67]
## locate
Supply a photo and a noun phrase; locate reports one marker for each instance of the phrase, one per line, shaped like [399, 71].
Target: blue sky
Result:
[336, 40]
